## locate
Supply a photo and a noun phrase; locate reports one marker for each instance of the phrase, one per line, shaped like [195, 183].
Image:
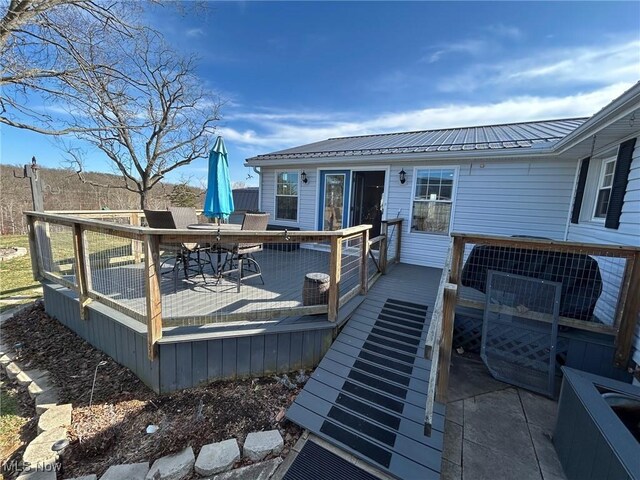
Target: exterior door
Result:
[334, 199]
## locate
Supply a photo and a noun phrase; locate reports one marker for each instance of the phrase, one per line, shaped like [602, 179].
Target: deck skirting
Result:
[184, 363]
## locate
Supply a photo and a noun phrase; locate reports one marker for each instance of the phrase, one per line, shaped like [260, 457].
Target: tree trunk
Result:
[144, 199]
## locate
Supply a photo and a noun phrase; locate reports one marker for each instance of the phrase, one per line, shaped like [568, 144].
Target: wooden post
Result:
[364, 263]
[446, 339]
[83, 273]
[154, 298]
[384, 244]
[457, 257]
[398, 242]
[335, 267]
[136, 251]
[33, 250]
[31, 172]
[628, 310]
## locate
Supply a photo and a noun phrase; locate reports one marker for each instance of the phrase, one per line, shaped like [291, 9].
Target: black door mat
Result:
[317, 463]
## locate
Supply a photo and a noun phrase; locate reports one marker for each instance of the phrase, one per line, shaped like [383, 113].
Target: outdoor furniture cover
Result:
[579, 274]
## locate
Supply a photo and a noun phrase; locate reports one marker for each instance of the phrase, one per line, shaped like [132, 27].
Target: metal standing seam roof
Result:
[490, 137]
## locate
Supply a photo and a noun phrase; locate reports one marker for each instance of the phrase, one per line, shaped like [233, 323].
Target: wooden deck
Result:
[203, 295]
[368, 394]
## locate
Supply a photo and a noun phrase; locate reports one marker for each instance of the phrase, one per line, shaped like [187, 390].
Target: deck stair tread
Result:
[368, 395]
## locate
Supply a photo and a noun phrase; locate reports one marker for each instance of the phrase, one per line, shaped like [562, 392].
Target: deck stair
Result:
[368, 394]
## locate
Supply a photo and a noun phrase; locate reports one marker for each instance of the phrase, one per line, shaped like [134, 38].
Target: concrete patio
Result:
[495, 431]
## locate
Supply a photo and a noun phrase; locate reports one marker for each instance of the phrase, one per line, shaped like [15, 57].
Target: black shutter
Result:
[620, 180]
[582, 180]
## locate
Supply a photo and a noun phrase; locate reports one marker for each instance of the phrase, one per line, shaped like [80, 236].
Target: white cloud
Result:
[507, 31]
[194, 32]
[472, 47]
[488, 41]
[268, 134]
[597, 65]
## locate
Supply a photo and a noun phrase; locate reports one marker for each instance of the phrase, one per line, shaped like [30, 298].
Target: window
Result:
[604, 188]
[432, 200]
[287, 196]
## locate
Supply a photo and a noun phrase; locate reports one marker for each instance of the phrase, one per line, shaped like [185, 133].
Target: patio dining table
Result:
[216, 227]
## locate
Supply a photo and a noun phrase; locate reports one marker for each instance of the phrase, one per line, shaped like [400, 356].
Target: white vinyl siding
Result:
[628, 233]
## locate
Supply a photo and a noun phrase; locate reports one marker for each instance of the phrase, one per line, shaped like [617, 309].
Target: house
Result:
[574, 179]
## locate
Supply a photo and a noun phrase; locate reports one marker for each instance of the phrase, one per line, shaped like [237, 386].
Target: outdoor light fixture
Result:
[402, 174]
[303, 176]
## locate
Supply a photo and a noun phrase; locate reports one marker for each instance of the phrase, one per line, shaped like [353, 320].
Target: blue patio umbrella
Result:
[219, 200]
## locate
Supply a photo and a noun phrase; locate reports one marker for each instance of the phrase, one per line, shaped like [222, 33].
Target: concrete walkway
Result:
[495, 431]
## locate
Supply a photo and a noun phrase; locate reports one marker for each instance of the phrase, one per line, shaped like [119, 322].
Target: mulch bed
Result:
[113, 430]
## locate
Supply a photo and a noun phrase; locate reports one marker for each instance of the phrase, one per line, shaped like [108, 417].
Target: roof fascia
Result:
[406, 157]
[617, 109]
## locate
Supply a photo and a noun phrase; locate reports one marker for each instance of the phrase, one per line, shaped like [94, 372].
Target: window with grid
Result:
[287, 196]
[604, 188]
[432, 201]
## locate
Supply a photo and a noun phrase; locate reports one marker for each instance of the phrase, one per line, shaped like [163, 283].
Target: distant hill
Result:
[63, 190]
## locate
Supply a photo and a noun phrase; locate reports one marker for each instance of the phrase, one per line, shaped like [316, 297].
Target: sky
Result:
[291, 73]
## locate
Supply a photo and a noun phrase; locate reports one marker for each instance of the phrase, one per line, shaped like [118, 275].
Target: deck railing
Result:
[121, 265]
[600, 285]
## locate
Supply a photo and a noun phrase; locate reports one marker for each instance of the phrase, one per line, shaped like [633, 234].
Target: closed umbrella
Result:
[219, 200]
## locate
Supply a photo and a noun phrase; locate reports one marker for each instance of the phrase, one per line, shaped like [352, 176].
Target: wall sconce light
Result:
[303, 176]
[402, 174]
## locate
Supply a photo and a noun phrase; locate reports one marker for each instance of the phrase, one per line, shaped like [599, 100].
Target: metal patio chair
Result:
[240, 257]
[181, 253]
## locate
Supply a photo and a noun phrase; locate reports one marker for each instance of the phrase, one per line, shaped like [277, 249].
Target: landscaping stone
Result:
[13, 370]
[6, 359]
[48, 474]
[260, 444]
[58, 416]
[129, 471]
[217, 457]
[38, 452]
[46, 400]
[257, 471]
[38, 386]
[25, 377]
[93, 476]
[173, 467]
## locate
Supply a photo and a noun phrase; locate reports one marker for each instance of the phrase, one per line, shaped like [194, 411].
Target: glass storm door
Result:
[334, 199]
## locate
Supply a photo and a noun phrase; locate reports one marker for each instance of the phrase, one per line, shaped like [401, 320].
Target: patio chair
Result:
[183, 216]
[181, 253]
[241, 253]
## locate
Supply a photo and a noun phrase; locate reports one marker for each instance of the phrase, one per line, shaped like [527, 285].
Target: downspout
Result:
[257, 172]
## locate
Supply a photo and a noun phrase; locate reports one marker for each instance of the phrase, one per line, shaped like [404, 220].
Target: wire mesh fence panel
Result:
[206, 282]
[55, 250]
[373, 261]
[590, 285]
[351, 264]
[115, 274]
[392, 241]
[518, 350]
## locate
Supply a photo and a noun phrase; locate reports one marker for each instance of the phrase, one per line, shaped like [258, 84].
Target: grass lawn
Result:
[16, 278]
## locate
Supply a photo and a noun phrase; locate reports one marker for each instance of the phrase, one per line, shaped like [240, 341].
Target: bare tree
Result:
[44, 44]
[107, 81]
[149, 121]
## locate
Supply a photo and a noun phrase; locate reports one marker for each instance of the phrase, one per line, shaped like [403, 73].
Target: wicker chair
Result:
[241, 253]
[181, 253]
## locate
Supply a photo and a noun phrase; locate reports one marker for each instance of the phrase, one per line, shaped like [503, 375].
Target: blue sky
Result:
[294, 73]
